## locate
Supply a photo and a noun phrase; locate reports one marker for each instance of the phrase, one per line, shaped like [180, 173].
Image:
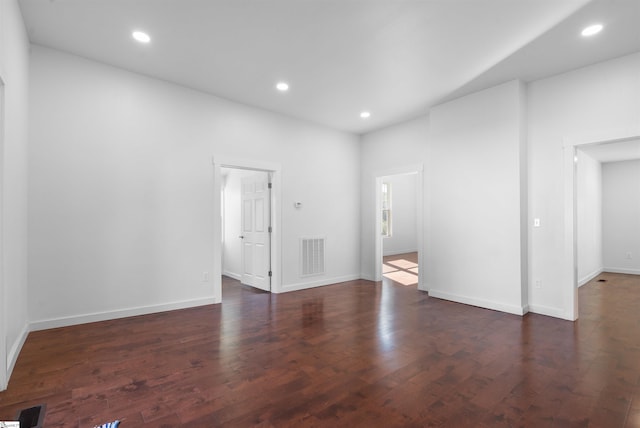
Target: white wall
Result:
[589, 217]
[474, 188]
[14, 66]
[621, 216]
[121, 189]
[384, 152]
[404, 231]
[598, 99]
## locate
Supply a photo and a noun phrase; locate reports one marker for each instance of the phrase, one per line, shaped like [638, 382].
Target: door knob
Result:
[241, 237]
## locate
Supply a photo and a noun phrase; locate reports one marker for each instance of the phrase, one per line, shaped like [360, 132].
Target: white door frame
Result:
[570, 265]
[220, 161]
[378, 177]
[3, 302]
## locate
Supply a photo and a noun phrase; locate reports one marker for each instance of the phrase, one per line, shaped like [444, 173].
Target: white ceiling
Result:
[394, 58]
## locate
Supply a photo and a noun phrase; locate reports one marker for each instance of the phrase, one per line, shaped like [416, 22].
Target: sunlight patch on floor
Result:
[403, 277]
[402, 264]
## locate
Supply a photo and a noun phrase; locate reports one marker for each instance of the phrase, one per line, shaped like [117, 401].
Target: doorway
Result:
[570, 265]
[608, 209]
[399, 229]
[399, 224]
[246, 225]
[246, 246]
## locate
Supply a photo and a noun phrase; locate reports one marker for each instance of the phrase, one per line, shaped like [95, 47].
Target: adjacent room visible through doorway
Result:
[608, 209]
[399, 228]
[246, 229]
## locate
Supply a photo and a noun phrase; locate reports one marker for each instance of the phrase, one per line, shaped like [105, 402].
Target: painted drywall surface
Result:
[14, 72]
[621, 216]
[404, 237]
[473, 176]
[383, 151]
[589, 217]
[589, 101]
[121, 187]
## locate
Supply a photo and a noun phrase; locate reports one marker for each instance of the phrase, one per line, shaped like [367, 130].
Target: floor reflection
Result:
[313, 312]
[358, 353]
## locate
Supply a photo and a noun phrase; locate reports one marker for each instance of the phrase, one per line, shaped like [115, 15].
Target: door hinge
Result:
[270, 185]
[270, 229]
[270, 274]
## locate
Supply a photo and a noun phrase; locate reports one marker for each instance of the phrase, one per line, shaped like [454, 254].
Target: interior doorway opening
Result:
[570, 266]
[608, 209]
[246, 229]
[399, 227]
[246, 226]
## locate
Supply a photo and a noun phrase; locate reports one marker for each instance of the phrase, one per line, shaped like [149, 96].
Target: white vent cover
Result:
[312, 256]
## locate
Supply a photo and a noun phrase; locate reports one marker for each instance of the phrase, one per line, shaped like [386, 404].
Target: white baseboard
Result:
[233, 275]
[622, 270]
[367, 277]
[481, 303]
[12, 356]
[318, 283]
[121, 313]
[589, 277]
[549, 311]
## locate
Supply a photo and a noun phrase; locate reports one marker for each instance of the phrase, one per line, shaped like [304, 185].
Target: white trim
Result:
[220, 161]
[570, 265]
[120, 313]
[367, 277]
[481, 303]
[417, 169]
[15, 350]
[250, 164]
[570, 144]
[613, 135]
[232, 275]
[622, 270]
[548, 311]
[319, 283]
[4, 375]
[589, 277]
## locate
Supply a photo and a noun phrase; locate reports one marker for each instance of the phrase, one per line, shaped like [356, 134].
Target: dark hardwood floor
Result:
[351, 354]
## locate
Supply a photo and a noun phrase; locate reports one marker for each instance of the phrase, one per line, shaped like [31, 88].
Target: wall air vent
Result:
[312, 252]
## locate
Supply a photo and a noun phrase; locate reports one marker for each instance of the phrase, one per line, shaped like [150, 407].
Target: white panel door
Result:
[255, 231]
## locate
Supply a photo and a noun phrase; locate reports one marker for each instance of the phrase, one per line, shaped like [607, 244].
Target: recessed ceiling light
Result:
[592, 30]
[365, 114]
[282, 86]
[141, 36]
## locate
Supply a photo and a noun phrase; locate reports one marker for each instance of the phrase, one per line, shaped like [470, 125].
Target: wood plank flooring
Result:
[357, 354]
